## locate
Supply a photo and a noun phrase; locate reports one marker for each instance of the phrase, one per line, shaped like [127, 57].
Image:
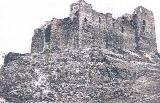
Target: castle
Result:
[88, 57]
[86, 27]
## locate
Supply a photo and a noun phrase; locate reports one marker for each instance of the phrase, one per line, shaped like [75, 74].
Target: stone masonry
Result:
[86, 28]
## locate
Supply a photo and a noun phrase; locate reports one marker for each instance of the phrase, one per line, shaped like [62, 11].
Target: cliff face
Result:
[88, 57]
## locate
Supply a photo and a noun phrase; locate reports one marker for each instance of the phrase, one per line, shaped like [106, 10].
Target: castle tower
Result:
[83, 12]
[145, 36]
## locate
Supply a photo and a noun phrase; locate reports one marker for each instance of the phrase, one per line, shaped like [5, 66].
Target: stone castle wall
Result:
[86, 27]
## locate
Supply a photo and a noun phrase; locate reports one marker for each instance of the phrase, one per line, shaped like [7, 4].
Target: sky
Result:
[19, 18]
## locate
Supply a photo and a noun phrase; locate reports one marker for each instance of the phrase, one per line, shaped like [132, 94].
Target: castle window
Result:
[85, 20]
[144, 22]
[143, 25]
[77, 13]
[145, 14]
[122, 29]
[113, 25]
[123, 19]
[135, 16]
[100, 20]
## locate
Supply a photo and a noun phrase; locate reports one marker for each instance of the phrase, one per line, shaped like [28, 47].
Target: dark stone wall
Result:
[145, 30]
[37, 41]
[12, 56]
[86, 27]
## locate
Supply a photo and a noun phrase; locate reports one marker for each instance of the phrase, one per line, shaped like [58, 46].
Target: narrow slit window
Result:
[143, 25]
[85, 20]
[113, 25]
[123, 19]
[100, 20]
[122, 29]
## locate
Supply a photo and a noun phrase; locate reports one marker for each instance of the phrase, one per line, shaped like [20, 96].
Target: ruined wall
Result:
[56, 42]
[85, 19]
[92, 25]
[99, 28]
[124, 33]
[56, 35]
[37, 41]
[86, 27]
[145, 30]
[70, 32]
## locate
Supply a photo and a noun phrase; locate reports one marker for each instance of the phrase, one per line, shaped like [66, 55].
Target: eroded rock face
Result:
[88, 57]
[82, 76]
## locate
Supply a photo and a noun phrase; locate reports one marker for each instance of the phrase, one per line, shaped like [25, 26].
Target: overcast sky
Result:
[18, 18]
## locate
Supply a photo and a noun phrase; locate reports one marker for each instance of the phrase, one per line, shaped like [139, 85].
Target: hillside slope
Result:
[93, 75]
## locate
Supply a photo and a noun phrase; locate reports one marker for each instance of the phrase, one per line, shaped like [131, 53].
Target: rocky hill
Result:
[88, 57]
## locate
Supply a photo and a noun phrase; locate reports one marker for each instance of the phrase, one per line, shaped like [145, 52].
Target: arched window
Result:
[100, 20]
[113, 25]
[85, 20]
[143, 25]
[122, 29]
[144, 22]
[123, 19]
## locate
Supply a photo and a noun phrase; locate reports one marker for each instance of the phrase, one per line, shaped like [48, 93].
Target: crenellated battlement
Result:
[86, 27]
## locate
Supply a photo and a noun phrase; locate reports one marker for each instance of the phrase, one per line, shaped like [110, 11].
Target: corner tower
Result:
[81, 11]
[144, 25]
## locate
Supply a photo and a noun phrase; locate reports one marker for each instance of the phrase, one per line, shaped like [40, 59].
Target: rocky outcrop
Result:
[12, 56]
[88, 57]
[94, 75]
